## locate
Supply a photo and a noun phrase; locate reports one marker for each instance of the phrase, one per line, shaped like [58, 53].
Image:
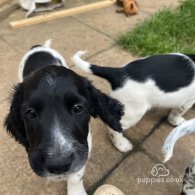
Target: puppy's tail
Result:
[178, 132]
[114, 75]
[48, 43]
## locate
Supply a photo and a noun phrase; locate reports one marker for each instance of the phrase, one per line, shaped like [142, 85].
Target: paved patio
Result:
[95, 32]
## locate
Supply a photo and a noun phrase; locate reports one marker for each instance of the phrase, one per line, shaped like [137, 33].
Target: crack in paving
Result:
[93, 28]
[138, 148]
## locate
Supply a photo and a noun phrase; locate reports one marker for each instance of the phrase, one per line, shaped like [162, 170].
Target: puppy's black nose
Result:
[58, 164]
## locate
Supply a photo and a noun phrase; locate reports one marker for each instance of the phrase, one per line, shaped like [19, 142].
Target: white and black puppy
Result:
[166, 81]
[188, 187]
[49, 115]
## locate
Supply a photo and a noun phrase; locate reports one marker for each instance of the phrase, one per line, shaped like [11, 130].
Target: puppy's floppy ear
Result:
[108, 109]
[13, 122]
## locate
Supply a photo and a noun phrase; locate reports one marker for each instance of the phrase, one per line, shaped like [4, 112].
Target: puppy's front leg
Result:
[75, 183]
[119, 141]
[132, 115]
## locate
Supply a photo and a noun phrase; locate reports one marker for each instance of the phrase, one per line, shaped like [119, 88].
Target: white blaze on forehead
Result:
[59, 137]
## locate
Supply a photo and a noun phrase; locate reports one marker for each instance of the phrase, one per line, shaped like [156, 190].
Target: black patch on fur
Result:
[170, 72]
[35, 46]
[114, 75]
[39, 60]
[108, 109]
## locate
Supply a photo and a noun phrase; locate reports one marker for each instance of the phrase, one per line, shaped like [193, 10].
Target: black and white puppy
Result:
[166, 81]
[49, 115]
[188, 187]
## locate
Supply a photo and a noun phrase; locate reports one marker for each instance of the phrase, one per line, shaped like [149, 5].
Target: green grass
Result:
[167, 31]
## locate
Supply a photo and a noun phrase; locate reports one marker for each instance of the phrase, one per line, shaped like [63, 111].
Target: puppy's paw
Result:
[122, 144]
[176, 121]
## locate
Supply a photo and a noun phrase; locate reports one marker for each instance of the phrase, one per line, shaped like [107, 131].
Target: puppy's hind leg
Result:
[175, 117]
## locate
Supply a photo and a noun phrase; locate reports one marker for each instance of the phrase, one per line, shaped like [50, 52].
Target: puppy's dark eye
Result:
[77, 109]
[31, 113]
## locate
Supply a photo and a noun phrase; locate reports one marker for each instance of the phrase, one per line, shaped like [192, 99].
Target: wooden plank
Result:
[60, 14]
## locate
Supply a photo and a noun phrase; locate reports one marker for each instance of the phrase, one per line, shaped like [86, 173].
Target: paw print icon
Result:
[159, 170]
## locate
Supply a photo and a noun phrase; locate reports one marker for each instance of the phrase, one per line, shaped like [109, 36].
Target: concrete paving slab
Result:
[184, 148]
[6, 7]
[131, 176]
[109, 22]
[8, 69]
[111, 57]
[68, 36]
[143, 128]
[104, 156]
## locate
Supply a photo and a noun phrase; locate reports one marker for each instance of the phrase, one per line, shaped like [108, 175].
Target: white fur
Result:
[85, 66]
[48, 43]
[46, 48]
[139, 97]
[59, 138]
[75, 181]
[178, 132]
[119, 141]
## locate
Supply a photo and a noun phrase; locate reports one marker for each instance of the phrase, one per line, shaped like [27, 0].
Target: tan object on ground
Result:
[108, 190]
[60, 14]
[130, 7]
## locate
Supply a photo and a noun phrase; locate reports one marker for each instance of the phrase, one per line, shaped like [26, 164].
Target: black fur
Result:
[34, 46]
[115, 76]
[38, 60]
[191, 56]
[107, 108]
[14, 123]
[169, 71]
